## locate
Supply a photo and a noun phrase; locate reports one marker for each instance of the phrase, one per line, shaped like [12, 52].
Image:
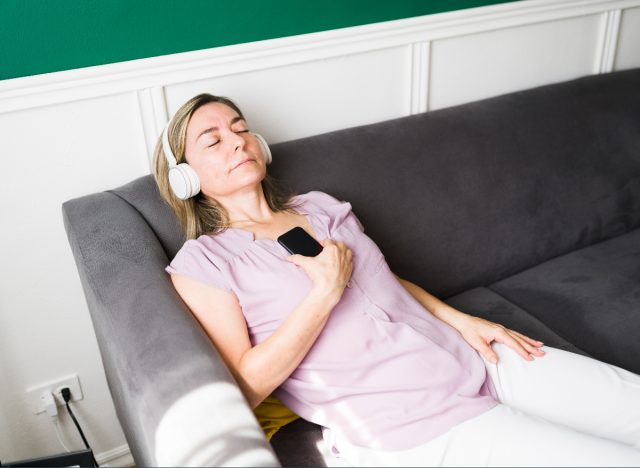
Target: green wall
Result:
[42, 36]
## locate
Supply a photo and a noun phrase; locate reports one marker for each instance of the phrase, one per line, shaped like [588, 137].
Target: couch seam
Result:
[527, 311]
[562, 254]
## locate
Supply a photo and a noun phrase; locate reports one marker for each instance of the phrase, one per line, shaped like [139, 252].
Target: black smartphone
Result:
[298, 241]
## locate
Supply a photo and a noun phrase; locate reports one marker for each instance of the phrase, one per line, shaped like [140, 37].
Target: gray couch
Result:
[523, 209]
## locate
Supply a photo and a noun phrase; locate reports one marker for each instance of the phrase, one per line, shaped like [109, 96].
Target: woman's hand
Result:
[479, 333]
[330, 270]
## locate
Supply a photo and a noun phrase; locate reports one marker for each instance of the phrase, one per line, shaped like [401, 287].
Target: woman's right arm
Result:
[262, 368]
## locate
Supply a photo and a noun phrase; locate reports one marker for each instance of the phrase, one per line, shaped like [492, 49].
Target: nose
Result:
[236, 141]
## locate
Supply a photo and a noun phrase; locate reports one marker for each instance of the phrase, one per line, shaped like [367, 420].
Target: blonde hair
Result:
[200, 214]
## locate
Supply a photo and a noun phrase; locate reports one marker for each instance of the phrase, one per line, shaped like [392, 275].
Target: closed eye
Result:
[218, 141]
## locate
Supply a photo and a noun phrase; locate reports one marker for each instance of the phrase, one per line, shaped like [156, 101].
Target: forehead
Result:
[211, 114]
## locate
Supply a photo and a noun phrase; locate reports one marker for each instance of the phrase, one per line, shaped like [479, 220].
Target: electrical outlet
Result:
[34, 393]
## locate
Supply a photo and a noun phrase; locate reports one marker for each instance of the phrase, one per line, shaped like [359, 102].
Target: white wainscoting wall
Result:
[71, 133]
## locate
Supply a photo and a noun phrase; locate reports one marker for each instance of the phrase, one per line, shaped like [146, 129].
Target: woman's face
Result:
[217, 145]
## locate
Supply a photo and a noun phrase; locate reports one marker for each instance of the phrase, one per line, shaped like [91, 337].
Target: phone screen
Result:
[298, 241]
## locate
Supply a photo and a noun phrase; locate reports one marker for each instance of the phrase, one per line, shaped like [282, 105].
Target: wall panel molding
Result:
[153, 113]
[420, 53]
[609, 41]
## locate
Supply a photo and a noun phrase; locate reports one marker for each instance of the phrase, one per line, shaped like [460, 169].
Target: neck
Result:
[248, 207]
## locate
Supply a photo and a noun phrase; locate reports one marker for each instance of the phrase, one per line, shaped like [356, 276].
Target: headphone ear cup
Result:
[184, 181]
[266, 151]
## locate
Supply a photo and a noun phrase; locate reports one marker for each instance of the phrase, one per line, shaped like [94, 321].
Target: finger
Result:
[296, 259]
[511, 342]
[526, 338]
[330, 246]
[531, 349]
[486, 350]
[530, 344]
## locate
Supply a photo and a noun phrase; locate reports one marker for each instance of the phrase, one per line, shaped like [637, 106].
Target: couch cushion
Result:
[464, 196]
[590, 296]
[484, 303]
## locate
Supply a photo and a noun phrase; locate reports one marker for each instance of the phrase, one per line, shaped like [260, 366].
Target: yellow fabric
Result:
[272, 415]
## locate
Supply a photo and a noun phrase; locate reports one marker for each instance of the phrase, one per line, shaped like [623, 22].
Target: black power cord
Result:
[66, 396]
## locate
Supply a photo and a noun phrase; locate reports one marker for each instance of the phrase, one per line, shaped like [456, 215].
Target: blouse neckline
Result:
[251, 236]
[301, 210]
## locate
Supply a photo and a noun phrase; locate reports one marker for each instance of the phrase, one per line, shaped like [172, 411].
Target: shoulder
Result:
[337, 210]
[318, 198]
[209, 249]
[195, 250]
[198, 260]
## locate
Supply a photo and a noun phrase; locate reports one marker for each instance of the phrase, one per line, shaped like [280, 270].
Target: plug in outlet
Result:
[35, 392]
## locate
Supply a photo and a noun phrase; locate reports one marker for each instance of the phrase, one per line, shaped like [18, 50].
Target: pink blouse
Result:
[384, 373]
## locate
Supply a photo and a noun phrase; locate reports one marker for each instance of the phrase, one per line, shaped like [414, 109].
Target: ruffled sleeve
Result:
[194, 260]
[338, 213]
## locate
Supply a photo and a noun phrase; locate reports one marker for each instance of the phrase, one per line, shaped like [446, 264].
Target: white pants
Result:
[562, 409]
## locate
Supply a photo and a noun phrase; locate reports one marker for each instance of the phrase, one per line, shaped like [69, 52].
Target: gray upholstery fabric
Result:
[143, 195]
[522, 208]
[482, 302]
[590, 296]
[465, 196]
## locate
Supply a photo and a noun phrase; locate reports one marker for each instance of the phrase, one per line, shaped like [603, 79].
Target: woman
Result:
[394, 375]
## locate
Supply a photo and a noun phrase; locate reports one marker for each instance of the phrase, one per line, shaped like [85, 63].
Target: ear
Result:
[266, 151]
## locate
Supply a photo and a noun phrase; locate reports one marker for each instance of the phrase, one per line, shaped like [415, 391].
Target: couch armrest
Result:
[176, 400]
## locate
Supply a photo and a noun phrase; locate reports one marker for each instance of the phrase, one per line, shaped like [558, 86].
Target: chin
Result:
[256, 176]
[254, 181]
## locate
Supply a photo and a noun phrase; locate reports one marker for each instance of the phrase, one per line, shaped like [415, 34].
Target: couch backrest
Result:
[463, 196]
[144, 196]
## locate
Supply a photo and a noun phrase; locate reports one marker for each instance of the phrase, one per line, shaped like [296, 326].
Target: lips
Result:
[241, 163]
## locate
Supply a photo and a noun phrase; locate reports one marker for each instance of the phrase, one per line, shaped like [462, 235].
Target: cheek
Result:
[252, 147]
[208, 168]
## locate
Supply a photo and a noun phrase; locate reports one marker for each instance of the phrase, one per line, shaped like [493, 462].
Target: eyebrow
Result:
[234, 120]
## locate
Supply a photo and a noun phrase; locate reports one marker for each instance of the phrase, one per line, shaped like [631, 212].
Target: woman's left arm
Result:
[478, 332]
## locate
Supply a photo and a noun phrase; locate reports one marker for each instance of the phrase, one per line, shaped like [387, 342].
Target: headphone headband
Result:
[171, 159]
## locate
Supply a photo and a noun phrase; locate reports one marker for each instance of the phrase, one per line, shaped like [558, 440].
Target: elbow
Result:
[400, 280]
[252, 382]
[253, 395]
[255, 402]
[403, 282]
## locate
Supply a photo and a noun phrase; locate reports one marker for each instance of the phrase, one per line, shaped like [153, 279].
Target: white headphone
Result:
[182, 178]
